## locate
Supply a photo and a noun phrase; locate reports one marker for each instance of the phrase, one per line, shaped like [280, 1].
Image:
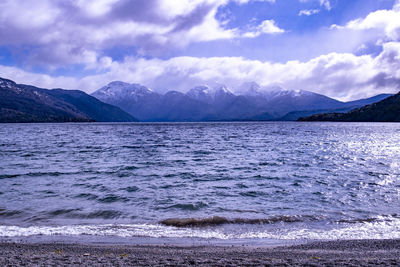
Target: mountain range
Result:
[124, 102]
[25, 103]
[204, 103]
[387, 110]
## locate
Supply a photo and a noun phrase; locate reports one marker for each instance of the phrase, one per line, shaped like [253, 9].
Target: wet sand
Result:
[334, 253]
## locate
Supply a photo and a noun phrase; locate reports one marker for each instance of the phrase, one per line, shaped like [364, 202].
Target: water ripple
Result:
[346, 173]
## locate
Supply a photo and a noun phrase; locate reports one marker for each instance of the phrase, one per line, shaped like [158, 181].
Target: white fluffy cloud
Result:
[343, 76]
[385, 23]
[265, 27]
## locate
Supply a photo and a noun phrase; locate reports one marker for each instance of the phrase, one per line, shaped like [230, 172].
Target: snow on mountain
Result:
[7, 83]
[202, 103]
[133, 98]
[279, 92]
[222, 91]
[253, 89]
[209, 95]
[121, 90]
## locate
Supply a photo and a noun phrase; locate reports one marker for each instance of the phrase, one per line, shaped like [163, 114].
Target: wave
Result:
[56, 173]
[366, 220]
[110, 198]
[60, 212]
[87, 196]
[37, 174]
[7, 176]
[189, 206]
[382, 218]
[77, 214]
[217, 220]
[57, 214]
[9, 213]
[104, 214]
[130, 189]
[129, 168]
[366, 230]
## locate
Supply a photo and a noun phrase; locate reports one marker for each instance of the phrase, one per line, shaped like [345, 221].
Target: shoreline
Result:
[336, 253]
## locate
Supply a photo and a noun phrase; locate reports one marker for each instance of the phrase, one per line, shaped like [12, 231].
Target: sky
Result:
[345, 49]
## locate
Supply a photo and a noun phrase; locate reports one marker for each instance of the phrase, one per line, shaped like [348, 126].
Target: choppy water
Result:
[264, 181]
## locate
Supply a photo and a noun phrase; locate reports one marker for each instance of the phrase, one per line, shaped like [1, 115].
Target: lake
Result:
[224, 182]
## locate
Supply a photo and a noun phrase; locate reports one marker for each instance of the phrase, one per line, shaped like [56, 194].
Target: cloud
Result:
[323, 3]
[308, 12]
[326, 4]
[265, 27]
[77, 32]
[385, 23]
[340, 75]
[40, 80]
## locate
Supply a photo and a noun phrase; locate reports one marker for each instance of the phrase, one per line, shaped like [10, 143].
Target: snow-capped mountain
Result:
[281, 101]
[133, 98]
[121, 90]
[204, 103]
[252, 89]
[210, 95]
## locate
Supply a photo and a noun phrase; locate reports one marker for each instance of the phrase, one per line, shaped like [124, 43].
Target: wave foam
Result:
[367, 230]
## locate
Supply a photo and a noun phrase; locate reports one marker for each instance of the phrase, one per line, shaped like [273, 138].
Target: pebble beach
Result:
[332, 253]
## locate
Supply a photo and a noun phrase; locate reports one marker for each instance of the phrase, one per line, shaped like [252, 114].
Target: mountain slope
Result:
[137, 100]
[24, 103]
[91, 106]
[176, 106]
[366, 101]
[387, 110]
[276, 102]
[283, 101]
[347, 106]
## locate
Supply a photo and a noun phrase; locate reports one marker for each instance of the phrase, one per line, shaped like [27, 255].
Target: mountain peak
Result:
[27, 103]
[277, 91]
[121, 90]
[117, 83]
[206, 94]
[7, 83]
[270, 91]
[249, 89]
[199, 89]
[11, 85]
[222, 88]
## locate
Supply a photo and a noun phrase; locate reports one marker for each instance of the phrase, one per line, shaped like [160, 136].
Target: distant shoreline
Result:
[336, 253]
